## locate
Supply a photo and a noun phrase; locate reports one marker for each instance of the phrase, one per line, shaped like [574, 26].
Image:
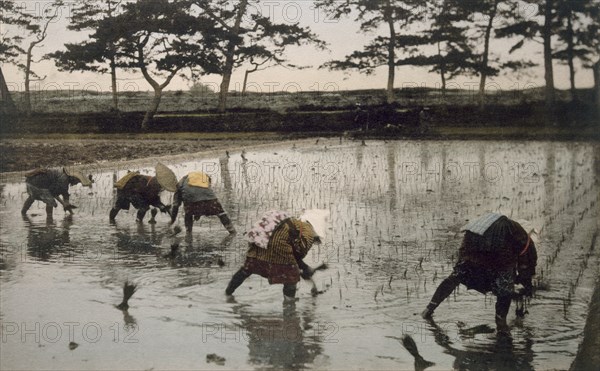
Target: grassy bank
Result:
[416, 113]
[527, 121]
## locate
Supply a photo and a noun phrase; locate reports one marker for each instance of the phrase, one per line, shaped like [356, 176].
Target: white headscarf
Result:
[85, 181]
[319, 219]
[531, 229]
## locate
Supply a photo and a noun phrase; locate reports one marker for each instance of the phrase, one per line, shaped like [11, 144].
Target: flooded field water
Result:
[397, 208]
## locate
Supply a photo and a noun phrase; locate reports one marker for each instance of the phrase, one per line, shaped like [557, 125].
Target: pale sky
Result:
[342, 36]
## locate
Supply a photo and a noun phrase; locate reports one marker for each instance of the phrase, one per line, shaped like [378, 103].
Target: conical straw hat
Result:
[166, 178]
[85, 181]
[121, 183]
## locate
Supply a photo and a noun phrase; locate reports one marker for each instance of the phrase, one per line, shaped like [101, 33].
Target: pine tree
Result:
[532, 27]
[12, 17]
[250, 37]
[388, 15]
[160, 38]
[91, 55]
[575, 20]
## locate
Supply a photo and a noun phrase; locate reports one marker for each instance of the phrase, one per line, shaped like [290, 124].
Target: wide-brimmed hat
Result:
[166, 178]
[85, 181]
[319, 219]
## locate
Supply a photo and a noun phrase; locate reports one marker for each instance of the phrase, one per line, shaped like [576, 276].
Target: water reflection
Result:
[145, 240]
[129, 322]
[498, 354]
[288, 341]
[47, 240]
[396, 209]
[206, 253]
[226, 179]
[360, 154]
[391, 167]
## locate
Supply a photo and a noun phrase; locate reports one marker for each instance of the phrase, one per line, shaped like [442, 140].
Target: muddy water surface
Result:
[397, 209]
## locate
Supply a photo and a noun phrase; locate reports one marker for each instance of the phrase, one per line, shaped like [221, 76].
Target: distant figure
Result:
[496, 253]
[48, 185]
[361, 117]
[141, 191]
[194, 191]
[277, 245]
[424, 120]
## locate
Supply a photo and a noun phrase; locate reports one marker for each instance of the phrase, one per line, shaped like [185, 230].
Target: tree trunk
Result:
[113, 64]
[224, 88]
[153, 108]
[443, 76]
[596, 69]
[442, 72]
[230, 57]
[391, 60]
[27, 80]
[113, 79]
[40, 38]
[548, 72]
[485, 56]
[158, 88]
[245, 81]
[571, 55]
[248, 72]
[8, 105]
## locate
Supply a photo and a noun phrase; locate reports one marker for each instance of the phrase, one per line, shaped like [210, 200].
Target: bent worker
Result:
[141, 191]
[195, 192]
[496, 254]
[277, 245]
[47, 185]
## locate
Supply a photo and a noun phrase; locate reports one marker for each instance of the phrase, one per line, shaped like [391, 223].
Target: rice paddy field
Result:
[397, 208]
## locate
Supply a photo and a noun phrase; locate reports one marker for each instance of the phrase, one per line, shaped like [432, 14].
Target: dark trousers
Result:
[188, 221]
[449, 284]
[29, 201]
[289, 289]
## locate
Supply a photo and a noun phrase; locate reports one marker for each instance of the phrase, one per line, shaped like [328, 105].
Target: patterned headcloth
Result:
[261, 231]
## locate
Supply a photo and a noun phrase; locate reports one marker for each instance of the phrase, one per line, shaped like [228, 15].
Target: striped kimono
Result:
[281, 261]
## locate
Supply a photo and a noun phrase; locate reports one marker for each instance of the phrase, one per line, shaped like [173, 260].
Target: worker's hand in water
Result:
[166, 209]
[314, 291]
[69, 208]
[307, 273]
[524, 285]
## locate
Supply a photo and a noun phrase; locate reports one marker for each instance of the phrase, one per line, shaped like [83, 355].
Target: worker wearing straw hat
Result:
[47, 185]
[195, 193]
[141, 191]
[496, 254]
[277, 245]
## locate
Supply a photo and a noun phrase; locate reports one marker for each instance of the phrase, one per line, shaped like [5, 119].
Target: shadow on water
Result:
[48, 239]
[498, 354]
[282, 340]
